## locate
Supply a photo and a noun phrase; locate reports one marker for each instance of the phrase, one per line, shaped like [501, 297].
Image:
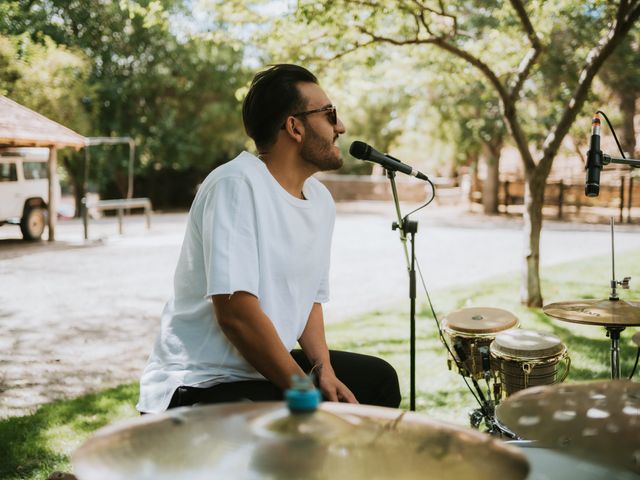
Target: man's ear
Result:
[294, 128]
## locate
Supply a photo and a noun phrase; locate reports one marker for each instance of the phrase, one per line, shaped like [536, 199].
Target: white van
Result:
[24, 190]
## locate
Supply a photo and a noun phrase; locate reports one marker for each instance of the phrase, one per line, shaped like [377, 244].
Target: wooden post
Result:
[120, 212]
[630, 199]
[560, 198]
[621, 199]
[53, 216]
[506, 196]
[147, 211]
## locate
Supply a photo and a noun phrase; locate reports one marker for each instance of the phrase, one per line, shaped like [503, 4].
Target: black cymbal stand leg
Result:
[614, 334]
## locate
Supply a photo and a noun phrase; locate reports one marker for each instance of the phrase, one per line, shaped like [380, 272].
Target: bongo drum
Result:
[471, 331]
[527, 358]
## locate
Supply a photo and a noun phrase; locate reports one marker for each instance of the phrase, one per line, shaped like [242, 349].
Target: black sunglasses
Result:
[332, 114]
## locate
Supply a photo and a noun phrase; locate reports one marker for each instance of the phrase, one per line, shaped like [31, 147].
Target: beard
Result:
[319, 151]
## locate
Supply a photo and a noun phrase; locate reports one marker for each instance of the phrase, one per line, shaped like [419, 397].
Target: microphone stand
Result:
[607, 159]
[408, 227]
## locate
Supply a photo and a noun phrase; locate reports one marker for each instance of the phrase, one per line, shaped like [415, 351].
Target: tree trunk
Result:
[78, 194]
[628, 109]
[530, 291]
[75, 170]
[472, 160]
[491, 185]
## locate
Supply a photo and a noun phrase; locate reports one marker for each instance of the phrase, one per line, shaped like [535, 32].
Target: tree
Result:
[518, 49]
[173, 90]
[53, 81]
[621, 74]
[469, 115]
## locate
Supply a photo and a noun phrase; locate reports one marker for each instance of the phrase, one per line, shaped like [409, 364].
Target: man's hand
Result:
[333, 389]
[314, 346]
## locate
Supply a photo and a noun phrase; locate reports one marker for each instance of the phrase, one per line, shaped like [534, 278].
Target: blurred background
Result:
[171, 74]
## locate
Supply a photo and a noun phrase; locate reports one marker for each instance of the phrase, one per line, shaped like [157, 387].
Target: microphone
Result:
[363, 151]
[594, 160]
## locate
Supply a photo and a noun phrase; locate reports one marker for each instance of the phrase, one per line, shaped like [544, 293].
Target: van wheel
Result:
[32, 223]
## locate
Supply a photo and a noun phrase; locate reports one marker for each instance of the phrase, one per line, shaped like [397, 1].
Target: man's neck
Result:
[288, 170]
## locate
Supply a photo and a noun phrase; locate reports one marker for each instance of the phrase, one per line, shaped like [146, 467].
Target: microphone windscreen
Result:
[360, 150]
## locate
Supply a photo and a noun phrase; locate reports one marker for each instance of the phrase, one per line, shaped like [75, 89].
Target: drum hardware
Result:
[598, 421]
[264, 440]
[613, 314]
[486, 411]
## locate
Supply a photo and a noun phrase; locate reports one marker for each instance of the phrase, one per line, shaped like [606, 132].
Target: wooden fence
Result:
[568, 196]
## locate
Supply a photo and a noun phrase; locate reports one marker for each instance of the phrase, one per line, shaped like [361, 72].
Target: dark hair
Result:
[272, 97]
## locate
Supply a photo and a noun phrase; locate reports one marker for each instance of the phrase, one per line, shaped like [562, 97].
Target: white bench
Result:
[120, 205]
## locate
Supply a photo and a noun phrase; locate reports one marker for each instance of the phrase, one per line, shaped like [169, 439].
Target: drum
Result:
[548, 463]
[527, 358]
[471, 331]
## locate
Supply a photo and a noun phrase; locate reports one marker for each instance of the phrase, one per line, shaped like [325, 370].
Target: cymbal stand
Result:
[613, 331]
[408, 227]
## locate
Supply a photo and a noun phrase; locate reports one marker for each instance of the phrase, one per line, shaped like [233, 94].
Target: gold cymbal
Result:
[480, 320]
[599, 421]
[264, 440]
[608, 313]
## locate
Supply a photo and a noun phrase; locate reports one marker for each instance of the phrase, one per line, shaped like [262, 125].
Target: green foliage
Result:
[171, 90]
[48, 78]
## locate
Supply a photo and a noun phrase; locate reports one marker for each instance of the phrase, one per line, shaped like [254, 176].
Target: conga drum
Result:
[471, 331]
[526, 358]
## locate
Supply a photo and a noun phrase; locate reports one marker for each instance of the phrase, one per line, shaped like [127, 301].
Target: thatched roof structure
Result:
[22, 127]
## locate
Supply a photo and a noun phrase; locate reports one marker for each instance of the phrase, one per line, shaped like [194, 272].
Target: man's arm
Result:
[314, 346]
[249, 329]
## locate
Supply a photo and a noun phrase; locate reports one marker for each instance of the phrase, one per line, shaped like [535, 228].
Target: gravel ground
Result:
[80, 316]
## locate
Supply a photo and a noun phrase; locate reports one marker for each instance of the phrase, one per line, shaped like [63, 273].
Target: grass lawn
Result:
[33, 446]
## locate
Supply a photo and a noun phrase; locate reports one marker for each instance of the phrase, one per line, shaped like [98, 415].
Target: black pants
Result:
[372, 380]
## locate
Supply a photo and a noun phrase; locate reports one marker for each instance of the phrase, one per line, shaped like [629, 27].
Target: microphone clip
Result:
[408, 226]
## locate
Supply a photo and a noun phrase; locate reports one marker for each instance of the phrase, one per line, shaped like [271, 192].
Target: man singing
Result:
[254, 267]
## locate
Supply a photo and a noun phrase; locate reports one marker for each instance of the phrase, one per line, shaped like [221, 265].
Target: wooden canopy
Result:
[22, 127]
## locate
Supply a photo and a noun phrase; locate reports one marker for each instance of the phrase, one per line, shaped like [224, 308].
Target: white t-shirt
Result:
[245, 233]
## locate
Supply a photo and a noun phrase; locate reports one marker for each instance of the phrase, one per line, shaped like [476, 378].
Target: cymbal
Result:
[265, 441]
[636, 338]
[608, 313]
[480, 320]
[594, 420]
